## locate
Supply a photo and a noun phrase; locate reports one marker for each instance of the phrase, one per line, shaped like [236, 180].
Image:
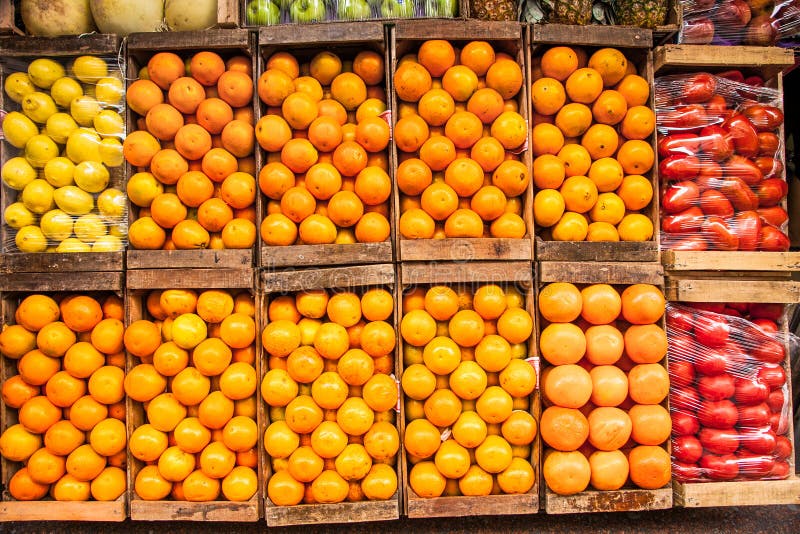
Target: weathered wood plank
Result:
[623, 500]
[312, 255]
[334, 277]
[345, 512]
[191, 259]
[63, 281]
[61, 262]
[465, 249]
[228, 13]
[11, 510]
[338, 33]
[190, 278]
[216, 38]
[599, 273]
[596, 251]
[466, 272]
[93, 43]
[713, 260]
[747, 493]
[592, 35]
[194, 511]
[418, 507]
[768, 59]
[726, 290]
[454, 29]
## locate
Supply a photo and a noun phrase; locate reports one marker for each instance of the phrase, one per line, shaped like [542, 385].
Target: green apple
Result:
[353, 10]
[262, 13]
[442, 8]
[307, 10]
[397, 9]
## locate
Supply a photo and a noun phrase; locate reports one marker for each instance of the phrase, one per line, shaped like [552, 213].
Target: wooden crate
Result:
[304, 41]
[755, 492]
[17, 52]
[514, 273]
[628, 498]
[7, 17]
[508, 37]
[140, 48]
[351, 278]
[48, 510]
[139, 283]
[635, 44]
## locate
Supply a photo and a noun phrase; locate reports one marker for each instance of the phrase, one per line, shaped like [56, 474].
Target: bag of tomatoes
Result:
[729, 397]
[734, 22]
[721, 163]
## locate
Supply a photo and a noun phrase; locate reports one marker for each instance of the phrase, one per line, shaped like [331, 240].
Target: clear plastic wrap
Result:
[723, 185]
[729, 400]
[62, 164]
[734, 22]
[269, 12]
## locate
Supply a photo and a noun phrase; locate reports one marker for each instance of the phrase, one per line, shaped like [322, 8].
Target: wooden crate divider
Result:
[626, 499]
[62, 281]
[635, 44]
[768, 60]
[519, 274]
[44, 510]
[7, 22]
[753, 492]
[140, 47]
[16, 48]
[378, 275]
[716, 260]
[509, 37]
[139, 283]
[304, 41]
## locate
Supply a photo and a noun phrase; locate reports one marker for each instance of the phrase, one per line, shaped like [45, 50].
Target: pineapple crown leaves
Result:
[540, 10]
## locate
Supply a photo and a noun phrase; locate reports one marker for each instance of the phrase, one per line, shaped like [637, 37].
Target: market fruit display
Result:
[592, 146]
[62, 168]
[467, 383]
[733, 22]
[604, 385]
[331, 395]
[193, 383]
[460, 137]
[269, 12]
[730, 401]
[64, 430]
[324, 130]
[192, 153]
[723, 182]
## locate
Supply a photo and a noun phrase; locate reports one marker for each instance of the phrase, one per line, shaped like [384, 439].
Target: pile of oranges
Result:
[196, 381]
[604, 423]
[326, 172]
[69, 398]
[459, 134]
[192, 153]
[331, 396]
[467, 388]
[591, 144]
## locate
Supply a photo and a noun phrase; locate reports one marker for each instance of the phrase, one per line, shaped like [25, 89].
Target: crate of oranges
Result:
[470, 410]
[330, 396]
[593, 143]
[323, 129]
[605, 422]
[191, 388]
[190, 150]
[62, 417]
[461, 135]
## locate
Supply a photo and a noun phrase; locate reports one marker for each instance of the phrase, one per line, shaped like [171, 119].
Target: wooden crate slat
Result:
[596, 251]
[217, 38]
[93, 43]
[61, 262]
[62, 281]
[770, 59]
[348, 512]
[113, 511]
[454, 29]
[356, 253]
[617, 36]
[194, 511]
[228, 13]
[334, 33]
[747, 493]
[176, 259]
[767, 291]
[626, 500]
[335, 277]
[526, 503]
[715, 260]
[431, 273]
[190, 278]
[465, 249]
[597, 273]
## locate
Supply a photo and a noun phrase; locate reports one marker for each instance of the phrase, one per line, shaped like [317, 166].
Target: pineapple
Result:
[570, 11]
[642, 13]
[493, 9]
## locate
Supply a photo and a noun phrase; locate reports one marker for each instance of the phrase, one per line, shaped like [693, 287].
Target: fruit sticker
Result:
[62, 166]
[67, 393]
[591, 142]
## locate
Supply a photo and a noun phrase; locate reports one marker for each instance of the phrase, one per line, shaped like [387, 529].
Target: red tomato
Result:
[685, 399]
[717, 387]
[783, 447]
[711, 362]
[710, 175]
[680, 320]
[719, 234]
[718, 414]
[717, 108]
[766, 325]
[684, 423]
[688, 220]
[769, 167]
[775, 215]
[758, 440]
[698, 88]
[715, 142]
[686, 472]
[768, 144]
[779, 423]
[771, 191]
[769, 351]
[763, 310]
[756, 416]
[682, 144]
[712, 202]
[773, 375]
[755, 465]
[733, 75]
[680, 196]
[686, 449]
[739, 193]
[679, 167]
[764, 118]
[713, 307]
[744, 169]
[720, 467]
[743, 134]
[711, 330]
[780, 470]
[773, 240]
[750, 391]
[747, 225]
[718, 441]
[681, 373]
[681, 242]
[685, 118]
[776, 400]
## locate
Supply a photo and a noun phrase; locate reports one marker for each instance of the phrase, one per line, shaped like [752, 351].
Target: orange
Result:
[235, 88]
[519, 428]
[436, 56]
[547, 96]
[382, 441]
[411, 81]
[635, 227]
[494, 405]
[442, 355]
[651, 424]
[328, 440]
[635, 89]
[296, 204]
[163, 121]
[218, 164]
[80, 313]
[325, 66]
[418, 382]
[638, 123]
[576, 160]
[354, 462]
[185, 94]
[460, 82]
[436, 152]
[601, 304]
[560, 302]
[354, 416]
[329, 487]
[369, 65]
[150, 485]
[84, 463]
[143, 95]
[584, 85]
[378, 339]
[510, 129]
[642, 304]
[144, 233]
[609, 209]
[411, 132]
[355, 367]
[505, 76]
[559, 62]
[609, 428]
[22, 487]
[604, 345]
[238, 381]
[439, 200]
[112, 308]
[380, 393]
[199, 487]
[610, 63]
[518, 477]
[562, 343]
[86, 412]
[349, 90]
[284, 490]
[142, 338]
[16, 391]
[108, 437]
[488, 153]
[645, 343]
[373, 185]
[55, 339]
[426, 480]
[465, 176]
[164, 68]
[285, 62]
[109, 484]
[17, 444]
[272, 132]
[304, 464]
[283, 307]
[609, 385]
[650, 466]
[304, 365]
[518, 378]
[609, 470]
[217, 460]
[648, 383]
[69, 488]
[610, 107]
[16, 341]
[206, 67]
[280, 441]
[238, 137]
[515, 325]
[274, 86]
[416, 224]
[350, 158]
[546, 139]
[147, 443]
[312, 303]
[601, 141]
[239, 190]
[579, 193]
[373, 134]
[512, 177]
[636, 192]
[192, 141]
[569, 386]
[62, 389]
[636, 156]
[168, 210]
[564, 429]
[278, 387]
[36, 311]
[413, 176]
[38, 414]
[494, 454]
[139, 148]
[487, 104]
[331, 340]
[489, 202]
[45, 467]
[573, 119]
[466, 328]
[421, 438]
[329, 391]
[548, 207]
[464, 129]
[303, 415]
[377, 304]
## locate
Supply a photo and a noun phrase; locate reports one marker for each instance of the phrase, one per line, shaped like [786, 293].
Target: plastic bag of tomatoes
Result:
[729, 399]
[733, 22]
[721, 163]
